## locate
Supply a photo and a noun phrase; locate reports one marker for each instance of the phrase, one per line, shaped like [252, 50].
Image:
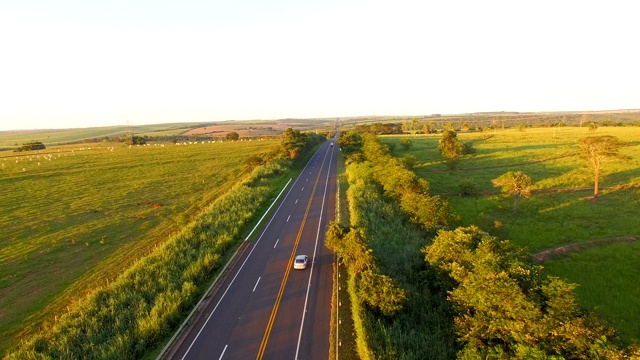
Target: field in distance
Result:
[10, 140]
[74, 216]
[561, 210]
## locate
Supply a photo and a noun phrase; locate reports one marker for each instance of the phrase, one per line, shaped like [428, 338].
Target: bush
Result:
[32, 145]
[467, 188]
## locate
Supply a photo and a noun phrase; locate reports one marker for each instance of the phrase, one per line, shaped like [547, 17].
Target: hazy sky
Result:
[78, 63]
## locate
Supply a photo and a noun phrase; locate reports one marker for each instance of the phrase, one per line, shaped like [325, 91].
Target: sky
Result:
[79, 63]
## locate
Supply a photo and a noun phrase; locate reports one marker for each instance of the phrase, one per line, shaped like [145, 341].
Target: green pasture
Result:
[13, 139]
[76, 216]
[608, 277]
[561, 209]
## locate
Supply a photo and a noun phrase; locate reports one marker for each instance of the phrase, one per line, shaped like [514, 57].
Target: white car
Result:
[301, 262]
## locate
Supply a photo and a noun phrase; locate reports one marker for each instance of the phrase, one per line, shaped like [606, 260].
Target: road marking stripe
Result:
[240, 269]
[274, 245]
[276, 305]
[296, 201]
[225, 349]
[288, 218]
[256, 285]
[315, 249]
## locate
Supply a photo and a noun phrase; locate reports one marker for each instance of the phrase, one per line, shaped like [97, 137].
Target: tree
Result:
[349, 142]
[506, 309]
[406, 144]
[232, 136]
[450, 148]
[379, 291]
[596, 149]
[514, 183]
[135, 140]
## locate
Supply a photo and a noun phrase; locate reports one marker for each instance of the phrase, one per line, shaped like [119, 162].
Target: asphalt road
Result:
[265, 309]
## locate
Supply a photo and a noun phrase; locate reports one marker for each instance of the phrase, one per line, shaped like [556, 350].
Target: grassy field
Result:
[74, 216]
[12, 139]
[557, 213]
[616, 268]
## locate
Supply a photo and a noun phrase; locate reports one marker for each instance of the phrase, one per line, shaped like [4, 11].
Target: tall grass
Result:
[424, 328]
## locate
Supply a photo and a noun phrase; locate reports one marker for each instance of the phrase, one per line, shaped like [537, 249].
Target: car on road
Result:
[300, 262]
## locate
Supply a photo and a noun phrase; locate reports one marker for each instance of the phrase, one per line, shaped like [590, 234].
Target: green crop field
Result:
[77, 215]
[13, 139]
[561, 209]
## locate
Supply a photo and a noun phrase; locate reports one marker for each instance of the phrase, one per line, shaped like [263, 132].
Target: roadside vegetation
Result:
[505, 306]
[561, 208]
[138, 282]
[405, 314]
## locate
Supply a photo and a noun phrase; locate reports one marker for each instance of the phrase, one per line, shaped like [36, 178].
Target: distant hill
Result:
[14, 138]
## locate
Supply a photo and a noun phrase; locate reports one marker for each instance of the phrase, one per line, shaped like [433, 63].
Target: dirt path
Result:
[553, 253]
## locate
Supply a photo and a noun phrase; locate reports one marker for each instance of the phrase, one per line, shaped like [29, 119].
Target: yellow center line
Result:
[274, 311]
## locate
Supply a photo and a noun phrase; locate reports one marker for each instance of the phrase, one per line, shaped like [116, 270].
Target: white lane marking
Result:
[225, 349]
[256, 285]
[296, 201]
[313, 260]
[274, 245]
[302, 189]
[288, 218]
[255, 244]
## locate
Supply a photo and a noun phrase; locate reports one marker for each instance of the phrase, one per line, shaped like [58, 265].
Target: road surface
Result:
[265, 309]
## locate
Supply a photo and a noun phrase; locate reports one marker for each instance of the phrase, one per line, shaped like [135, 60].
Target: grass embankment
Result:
[75, 216]
[556, 214]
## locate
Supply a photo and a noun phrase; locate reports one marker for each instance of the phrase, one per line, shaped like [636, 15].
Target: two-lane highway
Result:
[265, 309]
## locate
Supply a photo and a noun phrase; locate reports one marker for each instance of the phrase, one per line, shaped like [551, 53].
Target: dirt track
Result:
[553, 253]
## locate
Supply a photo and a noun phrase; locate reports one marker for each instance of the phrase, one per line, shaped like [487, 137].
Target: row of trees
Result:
[480, 122]
[386, 281]
[381, 254]
[397, 180]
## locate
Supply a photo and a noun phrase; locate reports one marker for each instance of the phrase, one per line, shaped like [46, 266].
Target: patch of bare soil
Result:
[554, 253]
[248, 130]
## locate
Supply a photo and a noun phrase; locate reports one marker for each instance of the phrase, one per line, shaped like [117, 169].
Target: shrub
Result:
[467, 188]
[32, 145]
